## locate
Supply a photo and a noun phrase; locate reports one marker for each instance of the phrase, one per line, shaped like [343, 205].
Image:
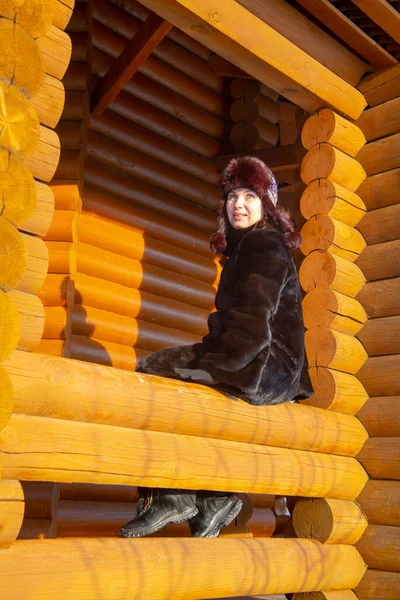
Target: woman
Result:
[255, 345]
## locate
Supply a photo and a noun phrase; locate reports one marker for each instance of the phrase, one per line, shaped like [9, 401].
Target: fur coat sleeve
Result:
[258, 276]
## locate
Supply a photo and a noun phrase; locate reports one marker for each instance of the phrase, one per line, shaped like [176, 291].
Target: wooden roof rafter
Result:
[137, 50]
[349, 32]
[383, 14]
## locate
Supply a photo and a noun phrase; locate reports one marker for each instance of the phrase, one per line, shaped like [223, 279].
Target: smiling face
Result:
[244, 208]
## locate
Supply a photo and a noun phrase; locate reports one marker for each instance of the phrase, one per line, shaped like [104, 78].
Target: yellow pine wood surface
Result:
[329, 521]
[10, 326]
[324, 233]
[329, 348]
[325, 197]
[336, 391]
[12, 511]
[326, 161]
[68, 389]
[42, 449]
[333, 309]
[327, 126]
[49, 101]
[7, 398]
[324, 270]
[35, 16]
[19, 123]
[65, 569]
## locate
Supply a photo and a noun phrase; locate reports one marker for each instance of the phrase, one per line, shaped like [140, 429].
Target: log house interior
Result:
[117, 117]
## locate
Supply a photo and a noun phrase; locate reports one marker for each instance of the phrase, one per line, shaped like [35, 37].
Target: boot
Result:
[216, 510]
[159, 507]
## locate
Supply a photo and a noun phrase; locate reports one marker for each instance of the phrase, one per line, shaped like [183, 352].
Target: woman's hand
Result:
[197, 375]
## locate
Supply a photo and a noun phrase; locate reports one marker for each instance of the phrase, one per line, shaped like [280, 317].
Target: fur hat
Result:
[251, 173]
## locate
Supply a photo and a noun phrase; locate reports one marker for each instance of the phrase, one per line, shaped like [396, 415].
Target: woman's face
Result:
[244, 208]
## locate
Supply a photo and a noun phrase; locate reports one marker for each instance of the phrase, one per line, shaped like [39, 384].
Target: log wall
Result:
[380, 415]
[37, 52]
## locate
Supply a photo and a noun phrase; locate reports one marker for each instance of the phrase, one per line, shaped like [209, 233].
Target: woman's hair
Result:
[251, 173]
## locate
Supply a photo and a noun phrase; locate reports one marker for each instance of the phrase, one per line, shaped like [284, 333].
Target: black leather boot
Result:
[216, 510]
[158, 507]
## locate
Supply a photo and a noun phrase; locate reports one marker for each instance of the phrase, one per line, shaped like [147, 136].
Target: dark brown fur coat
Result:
[255, 345]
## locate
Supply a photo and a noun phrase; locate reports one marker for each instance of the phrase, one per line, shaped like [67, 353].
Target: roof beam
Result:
[383, 14]
[348, 31]
[240, 24]
[289, 69]
[137, 50]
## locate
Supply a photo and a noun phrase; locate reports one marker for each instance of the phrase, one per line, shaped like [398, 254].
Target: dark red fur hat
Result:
[250, 172]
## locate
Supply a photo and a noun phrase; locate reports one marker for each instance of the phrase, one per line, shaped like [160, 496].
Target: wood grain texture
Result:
[381, 457]
[382, 585]
[380, 502]
[62, 565]
[212, 415]
[336, 391]
[327, 126]
[321, 269]
[12, 511]
[380, 416]
[380, 375]
[380, 547]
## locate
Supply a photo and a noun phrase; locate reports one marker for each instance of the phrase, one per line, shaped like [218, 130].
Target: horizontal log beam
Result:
[380, 547]
[381, 190]
[212, 415]
[380, 298]
[383, 14]
[380, 261]
[380, 375]
[381, 120]
[380, 501]
[381, 457]
[380, 415]
[382, 155]
[381, 225]
[379, 584]
[381, 336]
[69, 568]
[381, 86]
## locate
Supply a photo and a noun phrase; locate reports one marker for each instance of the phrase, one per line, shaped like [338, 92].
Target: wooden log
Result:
[325, 197]
[326, 162]
[22, 64]
[70, 165]
[130, 243]
[381, 155]
[13, 262]
[92, 519]
[324, 233]
[57, 323]
[131, 273]
[76, 106]
[380, 547]
[31, 319]
[72, 134]
[105, 325]
[67, 195]
[380, 417]
[40, 219]
[379, 501]
[98, 493]
[171, 77]
[35, 265]
[329, 521]
[7, 397]
[336, 391]
[146, 168]
[35, 17]
[49, 101]
[267, 132]
[381, 120]
[381, 86]
[381, 261]
[327, 126]
[95, 292]
[378, 584]
[77, 77]
[160, 148]
[44, 159]
[248, 88]
[212, 415]
[102, 352]
[154, 119]
[379, 298]
[294, 26]
[381, 190]
[262, 522]
[99, 181]
[381, 225]
[384, 15]
[80, 46]
[329, 348]
[63, 226]
[20, 130]
[381, 457]
[379, 375]
[62, 13]
[41, 499]
[52, 347]
[38, 529]
[381, 336]
[324, 307]
[17, 189]
[332, 595]
[26, 454]
[172, 101]
[280, 53]
[56, 48]
[336, 567]
[176, 55]
[12, 511]
[62, 257]
[263, 500]
[324, 270]
[57, 290]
